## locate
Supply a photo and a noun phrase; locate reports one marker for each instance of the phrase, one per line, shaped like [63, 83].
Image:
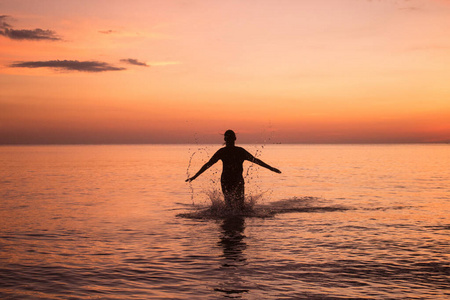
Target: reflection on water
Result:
[233, 245]
[232, 240]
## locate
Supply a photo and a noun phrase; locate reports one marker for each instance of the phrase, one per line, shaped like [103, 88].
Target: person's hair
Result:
[229, 134]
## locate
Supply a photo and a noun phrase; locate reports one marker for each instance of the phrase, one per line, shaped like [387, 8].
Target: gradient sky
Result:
[289, 71]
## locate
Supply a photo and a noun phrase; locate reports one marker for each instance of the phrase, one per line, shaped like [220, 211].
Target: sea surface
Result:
[120, 222]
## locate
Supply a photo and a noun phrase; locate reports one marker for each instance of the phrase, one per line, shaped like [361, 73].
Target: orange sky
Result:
[290, 71]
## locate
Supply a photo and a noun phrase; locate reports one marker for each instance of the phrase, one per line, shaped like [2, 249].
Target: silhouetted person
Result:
[232, 180]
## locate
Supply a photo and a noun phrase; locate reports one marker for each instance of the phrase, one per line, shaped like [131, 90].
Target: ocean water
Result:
[119, 222]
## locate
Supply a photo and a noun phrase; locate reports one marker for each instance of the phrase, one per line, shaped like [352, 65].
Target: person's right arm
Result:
[205, 167]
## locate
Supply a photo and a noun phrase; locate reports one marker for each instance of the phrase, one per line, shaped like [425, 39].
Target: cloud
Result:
[25, 34]
[107, 31]
[68, 65]
[410, 8]
[3, 24]
[133, 61]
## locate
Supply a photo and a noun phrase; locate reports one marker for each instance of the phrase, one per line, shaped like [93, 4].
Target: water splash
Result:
[303, 205]
[201, 150]
[217, 209]
[251, 175]
[251, 178]
[254, 209]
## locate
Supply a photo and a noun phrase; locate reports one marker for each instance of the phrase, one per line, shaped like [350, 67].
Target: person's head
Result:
[229, 137]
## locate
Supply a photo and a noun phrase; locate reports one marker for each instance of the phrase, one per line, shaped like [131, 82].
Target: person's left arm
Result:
[257, 161]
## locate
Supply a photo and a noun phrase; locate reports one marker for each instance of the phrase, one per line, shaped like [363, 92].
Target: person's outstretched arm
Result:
[261, 163]
[205, 167]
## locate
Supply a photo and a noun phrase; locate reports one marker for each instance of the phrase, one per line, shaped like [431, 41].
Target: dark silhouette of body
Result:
[232, 180]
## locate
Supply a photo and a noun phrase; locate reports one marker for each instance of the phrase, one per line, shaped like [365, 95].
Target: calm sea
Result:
[116, 222]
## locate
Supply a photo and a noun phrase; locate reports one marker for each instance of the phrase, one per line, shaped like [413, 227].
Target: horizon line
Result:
[293, 143]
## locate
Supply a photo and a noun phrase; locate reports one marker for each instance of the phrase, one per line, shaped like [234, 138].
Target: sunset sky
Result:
[275, 71]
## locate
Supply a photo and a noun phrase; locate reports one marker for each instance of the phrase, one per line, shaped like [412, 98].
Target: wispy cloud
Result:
[410, 8]
[68, 65]
[3, 24]
[110, 31]
[25, 34]
[133, 61]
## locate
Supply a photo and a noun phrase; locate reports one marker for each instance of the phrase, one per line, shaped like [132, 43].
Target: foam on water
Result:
[253, 209]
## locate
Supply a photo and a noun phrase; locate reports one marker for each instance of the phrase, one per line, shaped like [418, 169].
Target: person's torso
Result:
[232, 159]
